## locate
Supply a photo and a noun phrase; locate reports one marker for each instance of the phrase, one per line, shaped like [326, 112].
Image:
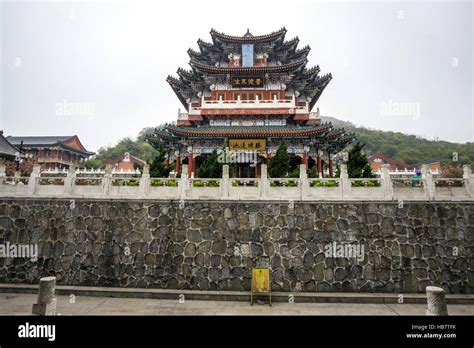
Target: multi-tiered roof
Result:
[288, 91]
[284, 61]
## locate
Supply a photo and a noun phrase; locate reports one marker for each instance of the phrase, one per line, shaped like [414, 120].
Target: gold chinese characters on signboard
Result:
[247, 144]
[247, 81]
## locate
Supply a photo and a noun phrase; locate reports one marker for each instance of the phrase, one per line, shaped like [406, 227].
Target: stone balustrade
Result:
[109, 185]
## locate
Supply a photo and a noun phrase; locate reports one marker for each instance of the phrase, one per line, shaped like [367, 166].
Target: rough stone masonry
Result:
[213, 245]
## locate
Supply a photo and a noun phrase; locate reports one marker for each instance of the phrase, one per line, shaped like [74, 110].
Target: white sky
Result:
[114, 56]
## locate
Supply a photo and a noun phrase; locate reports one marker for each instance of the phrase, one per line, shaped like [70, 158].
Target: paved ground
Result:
[20, 304]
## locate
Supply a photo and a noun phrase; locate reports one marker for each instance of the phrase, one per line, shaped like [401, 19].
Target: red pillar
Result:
[305, 161]
[320, 166]
[331, 171]
[178, 164]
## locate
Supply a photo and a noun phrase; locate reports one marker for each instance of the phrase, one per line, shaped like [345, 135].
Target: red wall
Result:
[230, 95]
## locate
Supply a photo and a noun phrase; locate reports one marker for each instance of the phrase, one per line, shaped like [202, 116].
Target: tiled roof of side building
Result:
[40, 140]
[71, 142]
[6, 148]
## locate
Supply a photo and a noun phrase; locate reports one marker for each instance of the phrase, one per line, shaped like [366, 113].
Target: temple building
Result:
[126, 163]
[378, 160]
[52, 152]
[250, 93]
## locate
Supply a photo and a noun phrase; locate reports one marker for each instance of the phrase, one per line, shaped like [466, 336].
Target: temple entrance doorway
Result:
[247, 171]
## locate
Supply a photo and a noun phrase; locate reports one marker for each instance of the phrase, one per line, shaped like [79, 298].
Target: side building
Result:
[52, 152]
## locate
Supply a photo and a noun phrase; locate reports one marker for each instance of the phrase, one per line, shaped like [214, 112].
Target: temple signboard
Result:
[247, 81]
[247, 144]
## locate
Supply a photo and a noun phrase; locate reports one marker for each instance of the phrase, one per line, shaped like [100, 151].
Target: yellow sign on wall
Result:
[247, 81]
[260, 280]
[247, 144]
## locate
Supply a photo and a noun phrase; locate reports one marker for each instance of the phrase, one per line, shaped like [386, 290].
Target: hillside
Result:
[408, 148]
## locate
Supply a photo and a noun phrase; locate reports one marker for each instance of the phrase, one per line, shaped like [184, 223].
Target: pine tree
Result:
[279, 165]
[157, 167]
[358, 165]
[210, 168]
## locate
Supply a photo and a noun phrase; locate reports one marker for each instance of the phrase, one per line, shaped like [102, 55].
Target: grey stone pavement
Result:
[20, 304]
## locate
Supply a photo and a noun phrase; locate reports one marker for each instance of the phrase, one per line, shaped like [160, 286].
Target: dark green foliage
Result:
[138, 148]
[295, 173]
[358, 164]
[407, 148]
[157, 167]
[313, 172]
[279, 165]
[210, 168]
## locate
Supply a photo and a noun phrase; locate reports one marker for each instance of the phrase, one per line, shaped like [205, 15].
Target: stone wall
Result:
[213, 245]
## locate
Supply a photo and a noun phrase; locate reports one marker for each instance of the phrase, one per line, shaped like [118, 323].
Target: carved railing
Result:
[107, 185]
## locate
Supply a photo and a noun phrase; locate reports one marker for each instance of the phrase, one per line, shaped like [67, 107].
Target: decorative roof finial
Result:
[248, 34]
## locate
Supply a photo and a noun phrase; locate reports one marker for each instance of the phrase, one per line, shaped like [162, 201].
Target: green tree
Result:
[358, 165]
[279, 165]
[157, 167]
[92, 163]
[210, 168]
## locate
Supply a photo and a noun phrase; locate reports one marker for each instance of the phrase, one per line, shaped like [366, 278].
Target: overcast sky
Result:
[403, 66]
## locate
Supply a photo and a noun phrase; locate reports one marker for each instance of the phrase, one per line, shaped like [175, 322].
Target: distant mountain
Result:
[408, 148]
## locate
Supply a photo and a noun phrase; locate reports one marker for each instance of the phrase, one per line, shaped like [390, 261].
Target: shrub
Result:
[213, 183]
[294, 173]
[279, 164]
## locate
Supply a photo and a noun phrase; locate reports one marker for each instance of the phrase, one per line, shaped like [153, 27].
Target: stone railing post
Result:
[46, 303]
[184, 183]
[263, 181]
[468, 176]
[429, 184]
[70, 180]
[107, 180]
[387, 182]
[3, 170]
[436, 301]
[303, 181]
[345, 183]
[225, 182]
[144, 184]
[35, 173]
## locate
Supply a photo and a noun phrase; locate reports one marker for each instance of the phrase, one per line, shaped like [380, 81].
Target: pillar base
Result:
[45, 308]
